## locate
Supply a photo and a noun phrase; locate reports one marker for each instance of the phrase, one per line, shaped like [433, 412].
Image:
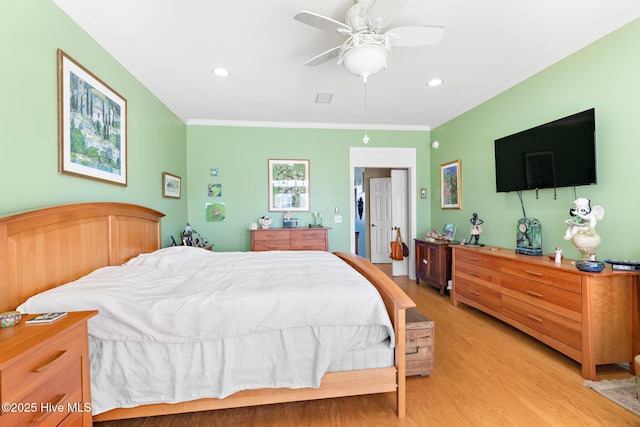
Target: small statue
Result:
[475, 229]
[582, 227]
[584, 218]
[558, 258]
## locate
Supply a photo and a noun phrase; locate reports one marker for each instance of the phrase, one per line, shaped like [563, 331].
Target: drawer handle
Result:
[535, 294]
[474, 274]
[413, 352]
[532, 317]
[474, 292]
[534, 273]
[46, 365]
[54, 403]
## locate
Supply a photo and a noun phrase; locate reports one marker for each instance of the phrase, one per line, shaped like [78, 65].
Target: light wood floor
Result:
[486, 374]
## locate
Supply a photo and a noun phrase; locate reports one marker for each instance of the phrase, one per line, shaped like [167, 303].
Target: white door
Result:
[399, 217]
[380, 219]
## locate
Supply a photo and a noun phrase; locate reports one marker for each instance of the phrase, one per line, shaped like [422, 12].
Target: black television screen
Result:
[561, 153]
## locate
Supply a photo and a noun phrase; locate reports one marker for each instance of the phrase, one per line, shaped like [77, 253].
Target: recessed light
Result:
[435, 82]
[221, 72]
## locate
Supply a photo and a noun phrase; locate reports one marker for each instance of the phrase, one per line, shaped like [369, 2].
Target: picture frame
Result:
[449, 232]
[451, 185]
[289, 185]
[171, 186]
[92, 125]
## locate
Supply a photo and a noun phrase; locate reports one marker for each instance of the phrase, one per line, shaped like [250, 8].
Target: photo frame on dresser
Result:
[288, 185]
[92, 125]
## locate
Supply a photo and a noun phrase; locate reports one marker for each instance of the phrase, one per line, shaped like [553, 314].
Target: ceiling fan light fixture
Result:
[365, 54]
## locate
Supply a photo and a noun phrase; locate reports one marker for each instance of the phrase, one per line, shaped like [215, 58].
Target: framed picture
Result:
[92, 125]
[288, 185]
[449, 232]
[451, 185]
[171, 185]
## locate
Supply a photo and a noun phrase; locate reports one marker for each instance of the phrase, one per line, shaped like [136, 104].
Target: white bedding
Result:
[184, 323]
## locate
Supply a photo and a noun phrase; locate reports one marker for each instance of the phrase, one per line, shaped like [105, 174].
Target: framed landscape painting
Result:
[171, 185]
[450, 187]
[288, 185]
[92, 125]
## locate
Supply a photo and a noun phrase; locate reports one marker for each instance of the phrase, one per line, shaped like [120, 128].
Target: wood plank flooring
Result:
[486, 374]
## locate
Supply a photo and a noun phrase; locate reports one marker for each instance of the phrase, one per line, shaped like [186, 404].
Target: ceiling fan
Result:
[366, 50]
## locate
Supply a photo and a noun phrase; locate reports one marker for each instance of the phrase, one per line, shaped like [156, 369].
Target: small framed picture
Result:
[449, 232]
[171, 186]
[450, 185]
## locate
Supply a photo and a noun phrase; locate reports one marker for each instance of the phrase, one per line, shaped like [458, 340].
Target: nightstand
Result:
[44, 372]
[433, 263]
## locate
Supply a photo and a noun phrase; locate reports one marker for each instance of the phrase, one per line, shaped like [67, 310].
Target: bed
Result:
[44, 249]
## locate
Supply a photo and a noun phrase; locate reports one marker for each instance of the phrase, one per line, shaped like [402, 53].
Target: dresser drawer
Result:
[476, 273]
[308, 233]
[561, 328]
[273, 245]
[271, 235]
[490, 298]
[547, 297]
[49, 404]
[308, 245]
[474, 256]
[548, 275]
[41, 363]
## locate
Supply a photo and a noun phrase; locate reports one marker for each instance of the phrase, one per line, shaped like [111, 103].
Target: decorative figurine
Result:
[558, 255]
[265, 222]
[582, 227]
[475, 229]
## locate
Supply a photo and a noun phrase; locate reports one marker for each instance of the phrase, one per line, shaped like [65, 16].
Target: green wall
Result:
[241, 155]
[30, 34]
[604, 75]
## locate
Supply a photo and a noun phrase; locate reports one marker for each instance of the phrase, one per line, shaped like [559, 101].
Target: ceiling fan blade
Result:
[324, 56]
[321, 22]
[385, 10]
[415, 35]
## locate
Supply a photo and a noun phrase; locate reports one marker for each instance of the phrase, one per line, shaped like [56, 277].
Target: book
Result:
[46, 317]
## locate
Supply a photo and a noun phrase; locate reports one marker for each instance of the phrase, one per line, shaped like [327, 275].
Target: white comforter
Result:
[223, 322]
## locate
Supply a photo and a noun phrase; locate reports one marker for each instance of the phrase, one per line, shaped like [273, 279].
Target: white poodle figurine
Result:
[585, 218]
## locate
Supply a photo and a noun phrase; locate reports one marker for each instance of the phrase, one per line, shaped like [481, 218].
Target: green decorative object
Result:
[215, 212]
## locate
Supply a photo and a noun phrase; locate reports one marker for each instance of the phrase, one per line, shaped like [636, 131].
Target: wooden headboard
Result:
[42, 249]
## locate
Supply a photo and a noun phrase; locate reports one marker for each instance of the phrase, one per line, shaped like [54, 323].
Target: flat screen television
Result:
[558, 154]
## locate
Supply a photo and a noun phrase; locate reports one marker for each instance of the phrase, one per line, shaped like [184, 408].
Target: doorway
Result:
[403, 159]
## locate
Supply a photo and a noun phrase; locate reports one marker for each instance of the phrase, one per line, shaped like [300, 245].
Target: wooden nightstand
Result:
[44, 372]
[433, 263]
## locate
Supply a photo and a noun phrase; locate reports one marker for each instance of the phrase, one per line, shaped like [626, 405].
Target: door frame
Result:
[390, 158]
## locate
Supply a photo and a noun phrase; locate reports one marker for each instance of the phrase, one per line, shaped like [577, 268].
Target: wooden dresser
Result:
[290, 239]
[44, 373]
[419, 338]
[433, 263]
[590, 317]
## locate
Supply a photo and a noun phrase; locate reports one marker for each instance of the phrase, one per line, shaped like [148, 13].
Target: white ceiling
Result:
[171, 46]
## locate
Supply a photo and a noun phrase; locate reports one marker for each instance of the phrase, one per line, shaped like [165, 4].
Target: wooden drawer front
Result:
[308, 233]
[41, 363]
[473, 256]
[273, 245]
[548, 297]
[308, 245]
[549, 323]
[49, 404]
[419, 351]
[270, 235]
[485, 276]
[490, 298]
[550, 276]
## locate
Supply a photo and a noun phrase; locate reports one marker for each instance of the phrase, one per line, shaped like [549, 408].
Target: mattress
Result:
[182, 323]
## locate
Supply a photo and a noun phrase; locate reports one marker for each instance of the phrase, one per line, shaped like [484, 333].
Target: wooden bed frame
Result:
[42, 249]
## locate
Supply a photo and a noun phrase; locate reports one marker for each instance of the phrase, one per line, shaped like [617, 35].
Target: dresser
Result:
[44, 373]
[433, 263]
[590, 317]
[290, 239]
